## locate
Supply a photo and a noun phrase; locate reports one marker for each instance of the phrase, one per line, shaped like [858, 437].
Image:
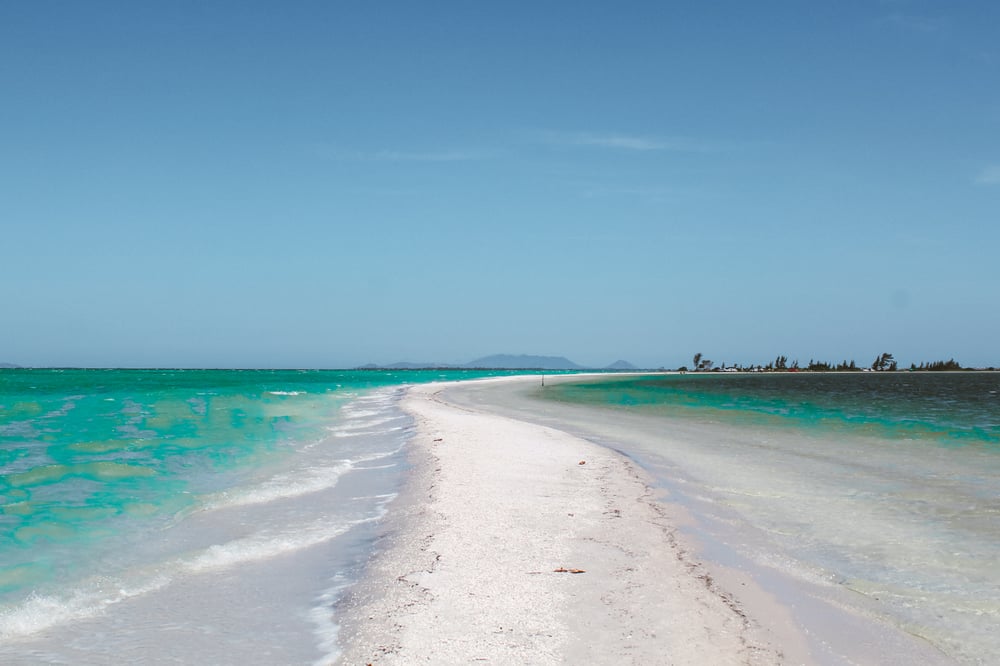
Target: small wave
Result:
[41, 612]
[265, 545]
[285, 486]
[360, 413]
[378, 399]
[327, 631]
[362, 425]
[385, 497]
[369, 467]
[282, 486]
[286, 392]
[360, 433]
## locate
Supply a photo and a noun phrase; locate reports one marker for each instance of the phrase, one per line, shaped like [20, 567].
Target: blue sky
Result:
[325, 184]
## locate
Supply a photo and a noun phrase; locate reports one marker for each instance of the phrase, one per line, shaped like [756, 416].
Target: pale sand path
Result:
[493, 506]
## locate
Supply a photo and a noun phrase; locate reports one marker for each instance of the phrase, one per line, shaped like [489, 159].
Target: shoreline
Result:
[479, 547]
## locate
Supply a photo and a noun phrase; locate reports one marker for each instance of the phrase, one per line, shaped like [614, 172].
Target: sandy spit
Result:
[514, 543]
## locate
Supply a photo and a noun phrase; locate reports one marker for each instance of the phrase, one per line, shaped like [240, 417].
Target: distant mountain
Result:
[502, 361]
[406, 365]
[524, 361]
[9, 365]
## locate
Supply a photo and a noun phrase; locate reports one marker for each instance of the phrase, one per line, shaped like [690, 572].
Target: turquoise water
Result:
[879, 491]
[205, 515]
[118, 484]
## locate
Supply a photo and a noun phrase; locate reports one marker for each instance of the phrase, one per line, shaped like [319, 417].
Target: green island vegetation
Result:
[884, 362]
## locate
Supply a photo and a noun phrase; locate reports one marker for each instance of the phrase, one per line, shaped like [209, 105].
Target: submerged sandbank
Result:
[481, 548]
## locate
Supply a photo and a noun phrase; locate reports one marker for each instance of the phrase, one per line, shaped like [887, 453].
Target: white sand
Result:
[493, 508]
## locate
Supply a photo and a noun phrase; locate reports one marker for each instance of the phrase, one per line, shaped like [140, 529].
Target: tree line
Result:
[884, 362]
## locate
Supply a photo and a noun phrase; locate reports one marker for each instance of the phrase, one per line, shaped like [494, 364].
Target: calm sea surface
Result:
[884, 486]
[201, 516]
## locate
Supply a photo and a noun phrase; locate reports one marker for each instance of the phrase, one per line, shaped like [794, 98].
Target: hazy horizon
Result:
[430, 364]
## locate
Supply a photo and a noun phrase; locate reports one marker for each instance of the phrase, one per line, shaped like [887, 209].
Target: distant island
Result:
[504, 362]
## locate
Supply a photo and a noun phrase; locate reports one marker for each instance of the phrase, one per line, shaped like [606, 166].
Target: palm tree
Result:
[697, 361]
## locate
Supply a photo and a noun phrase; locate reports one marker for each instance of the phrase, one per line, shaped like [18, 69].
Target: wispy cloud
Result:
[989, 176]
[625, 142]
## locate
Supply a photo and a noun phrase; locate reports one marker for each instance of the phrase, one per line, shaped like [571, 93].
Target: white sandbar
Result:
[493, 509]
